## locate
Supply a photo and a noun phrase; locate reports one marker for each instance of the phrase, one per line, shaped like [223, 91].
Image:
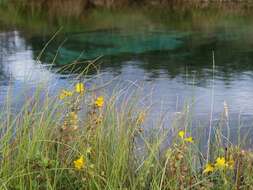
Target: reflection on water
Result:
[18, 68]
[176, 65]
[17, 60]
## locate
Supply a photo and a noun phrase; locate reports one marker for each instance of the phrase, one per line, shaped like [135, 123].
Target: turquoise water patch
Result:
[89, 46]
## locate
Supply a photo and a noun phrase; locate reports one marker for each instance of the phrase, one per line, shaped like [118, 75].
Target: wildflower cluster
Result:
[178, 165]
[95, 114]
[92, 145]
[79, 89]
[220, 164]
[71, 121]
[182, 135]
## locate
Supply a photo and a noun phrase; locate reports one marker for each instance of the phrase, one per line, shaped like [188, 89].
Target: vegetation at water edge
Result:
[86, 140]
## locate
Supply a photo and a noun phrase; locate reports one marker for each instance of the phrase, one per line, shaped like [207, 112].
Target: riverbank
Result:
[185, 19]
[85, 140]
[68, 8]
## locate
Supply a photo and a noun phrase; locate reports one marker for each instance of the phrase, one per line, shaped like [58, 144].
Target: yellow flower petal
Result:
[209, 168]
[99, 102]
[181, 134]
[79, 163]
[79, 88]
[189, 139]
[64, 94]
[220, 163]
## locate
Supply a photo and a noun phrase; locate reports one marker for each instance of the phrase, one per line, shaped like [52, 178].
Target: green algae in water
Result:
[90, 45]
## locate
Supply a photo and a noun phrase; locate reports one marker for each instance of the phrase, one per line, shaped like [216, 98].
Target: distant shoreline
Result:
[82, 5]
[42, 19]
[78, 8]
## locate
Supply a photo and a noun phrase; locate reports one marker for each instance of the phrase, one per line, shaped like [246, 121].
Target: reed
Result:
[85, 139]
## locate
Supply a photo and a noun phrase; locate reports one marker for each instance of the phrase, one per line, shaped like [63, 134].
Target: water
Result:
[170, 57]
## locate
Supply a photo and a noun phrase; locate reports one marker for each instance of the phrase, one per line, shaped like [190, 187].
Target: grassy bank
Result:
[77, 8]
[85, 140]
[43, 23]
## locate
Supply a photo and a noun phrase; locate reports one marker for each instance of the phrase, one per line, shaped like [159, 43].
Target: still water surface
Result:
[173, 61]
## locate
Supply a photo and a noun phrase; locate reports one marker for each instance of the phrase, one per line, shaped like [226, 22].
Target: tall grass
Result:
[81, 141]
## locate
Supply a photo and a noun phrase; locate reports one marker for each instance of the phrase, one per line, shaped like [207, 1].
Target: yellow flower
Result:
[61, 96]
[220, 163]
[79, 87]
[64, 94]
[189, 139]
[181, 134]
[99, 101]
[209, 168]
[79, 163]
